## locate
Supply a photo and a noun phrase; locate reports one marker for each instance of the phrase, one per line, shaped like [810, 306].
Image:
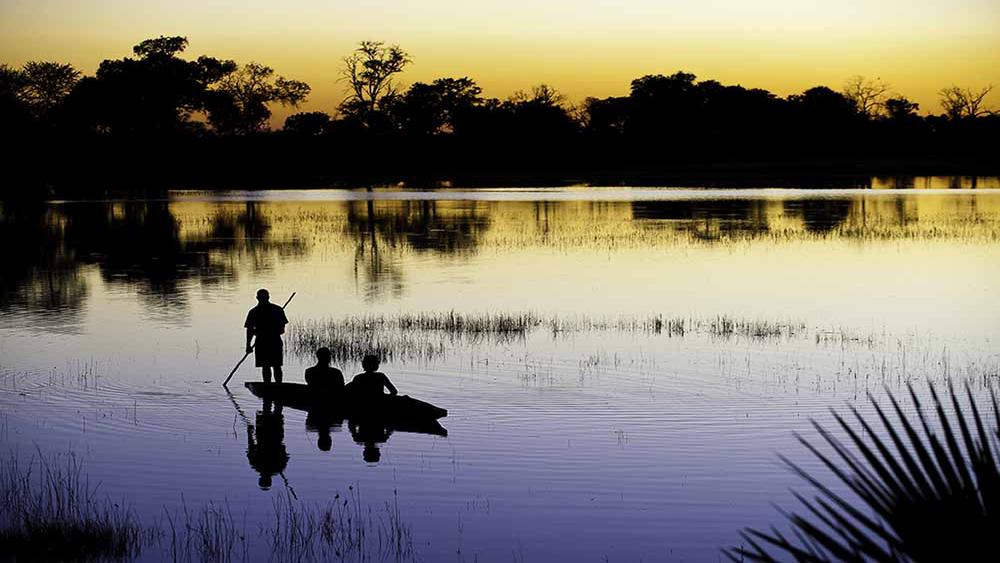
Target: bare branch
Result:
[965, 103]
[868, 95]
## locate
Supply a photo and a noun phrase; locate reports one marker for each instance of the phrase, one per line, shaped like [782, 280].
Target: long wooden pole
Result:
[245, 356]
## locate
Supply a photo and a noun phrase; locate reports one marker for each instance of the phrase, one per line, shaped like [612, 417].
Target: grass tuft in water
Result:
[427, 336]
[925, 495]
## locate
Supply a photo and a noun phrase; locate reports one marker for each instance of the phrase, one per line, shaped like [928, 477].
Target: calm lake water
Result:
[668, 344]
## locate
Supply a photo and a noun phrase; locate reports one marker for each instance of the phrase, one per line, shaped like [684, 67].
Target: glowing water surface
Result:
[670, 342]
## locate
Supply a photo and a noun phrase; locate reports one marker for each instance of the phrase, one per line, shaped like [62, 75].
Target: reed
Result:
[427, 336]
[345, 529]
[924, 494]
[49, 511]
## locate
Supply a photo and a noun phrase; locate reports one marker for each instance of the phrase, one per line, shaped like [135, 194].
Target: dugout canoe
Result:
[301, 396]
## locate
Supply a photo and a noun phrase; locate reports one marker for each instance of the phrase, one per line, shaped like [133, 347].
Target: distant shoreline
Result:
[811, 174]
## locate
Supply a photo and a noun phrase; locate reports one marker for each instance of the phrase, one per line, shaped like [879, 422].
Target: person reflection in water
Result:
[370, 433]
[267, 323]
[266, 444]
[322, 421]
[322, 377]
[371, 383]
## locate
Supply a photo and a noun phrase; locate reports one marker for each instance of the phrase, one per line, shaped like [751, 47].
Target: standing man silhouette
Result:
[267, 322]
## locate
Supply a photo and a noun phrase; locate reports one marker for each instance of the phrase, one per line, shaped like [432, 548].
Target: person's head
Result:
[264, 482]
[370, 362]
[263, 295]
[323, 356]
[371, 453]
[325, 441]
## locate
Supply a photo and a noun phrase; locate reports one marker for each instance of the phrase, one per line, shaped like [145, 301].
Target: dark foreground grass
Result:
[925, 495]
[50, 512]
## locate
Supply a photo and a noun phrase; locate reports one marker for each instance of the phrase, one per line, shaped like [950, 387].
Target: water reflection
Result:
[266, 450]
[820, 215]
[39, 274]
[323, 422]
[160, 252]
[143, 248]
[933, 182]
[381, 230]
[707, 220]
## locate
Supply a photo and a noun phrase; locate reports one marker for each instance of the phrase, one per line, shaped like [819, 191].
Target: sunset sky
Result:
[582, 47]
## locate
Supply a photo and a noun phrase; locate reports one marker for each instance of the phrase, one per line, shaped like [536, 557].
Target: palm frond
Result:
[922, 493]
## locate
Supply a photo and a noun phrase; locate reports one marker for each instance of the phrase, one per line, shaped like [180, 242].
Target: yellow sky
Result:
[582, 47]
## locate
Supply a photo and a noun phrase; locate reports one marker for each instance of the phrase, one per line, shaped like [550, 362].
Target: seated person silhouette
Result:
[322, 376]
[371, 383]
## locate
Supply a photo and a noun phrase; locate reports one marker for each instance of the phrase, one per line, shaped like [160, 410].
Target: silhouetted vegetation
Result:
[921, 496]
[160, 118]
[424, 336]
[49, 511]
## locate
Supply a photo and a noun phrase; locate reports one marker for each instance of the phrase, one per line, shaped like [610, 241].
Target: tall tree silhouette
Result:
[370, 72]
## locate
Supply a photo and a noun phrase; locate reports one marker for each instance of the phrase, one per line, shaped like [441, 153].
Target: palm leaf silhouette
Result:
[928, 494]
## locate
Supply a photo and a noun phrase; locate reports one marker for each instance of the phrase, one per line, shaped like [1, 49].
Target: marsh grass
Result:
[427, 336]
[923, 494]
[209, 534]
[49, 511]
[345, 529]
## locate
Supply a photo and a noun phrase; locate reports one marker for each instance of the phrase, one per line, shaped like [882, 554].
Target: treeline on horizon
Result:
[157, 118]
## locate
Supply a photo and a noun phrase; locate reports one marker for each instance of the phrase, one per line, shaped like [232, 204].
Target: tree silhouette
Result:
[153, 94]
[173, 118]
[42, 86]
[868, 95]
[965, 103]
[900, 108]
[370, 72]
[539, 114]
[605, 117]
[438, 107]
[160, 47]
[309, 123]
[13, 112]
[249, 89]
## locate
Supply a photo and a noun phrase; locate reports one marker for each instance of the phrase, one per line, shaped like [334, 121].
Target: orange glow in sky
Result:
[581, 47]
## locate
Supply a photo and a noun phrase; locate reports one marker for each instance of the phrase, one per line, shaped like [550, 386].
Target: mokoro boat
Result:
[300, 396]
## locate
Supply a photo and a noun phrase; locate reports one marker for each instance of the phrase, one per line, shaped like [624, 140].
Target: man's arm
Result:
[249, 324]
[283, 320]
[389, 385]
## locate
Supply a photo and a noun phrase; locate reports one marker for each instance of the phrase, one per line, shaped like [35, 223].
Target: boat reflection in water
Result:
[370, 424]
